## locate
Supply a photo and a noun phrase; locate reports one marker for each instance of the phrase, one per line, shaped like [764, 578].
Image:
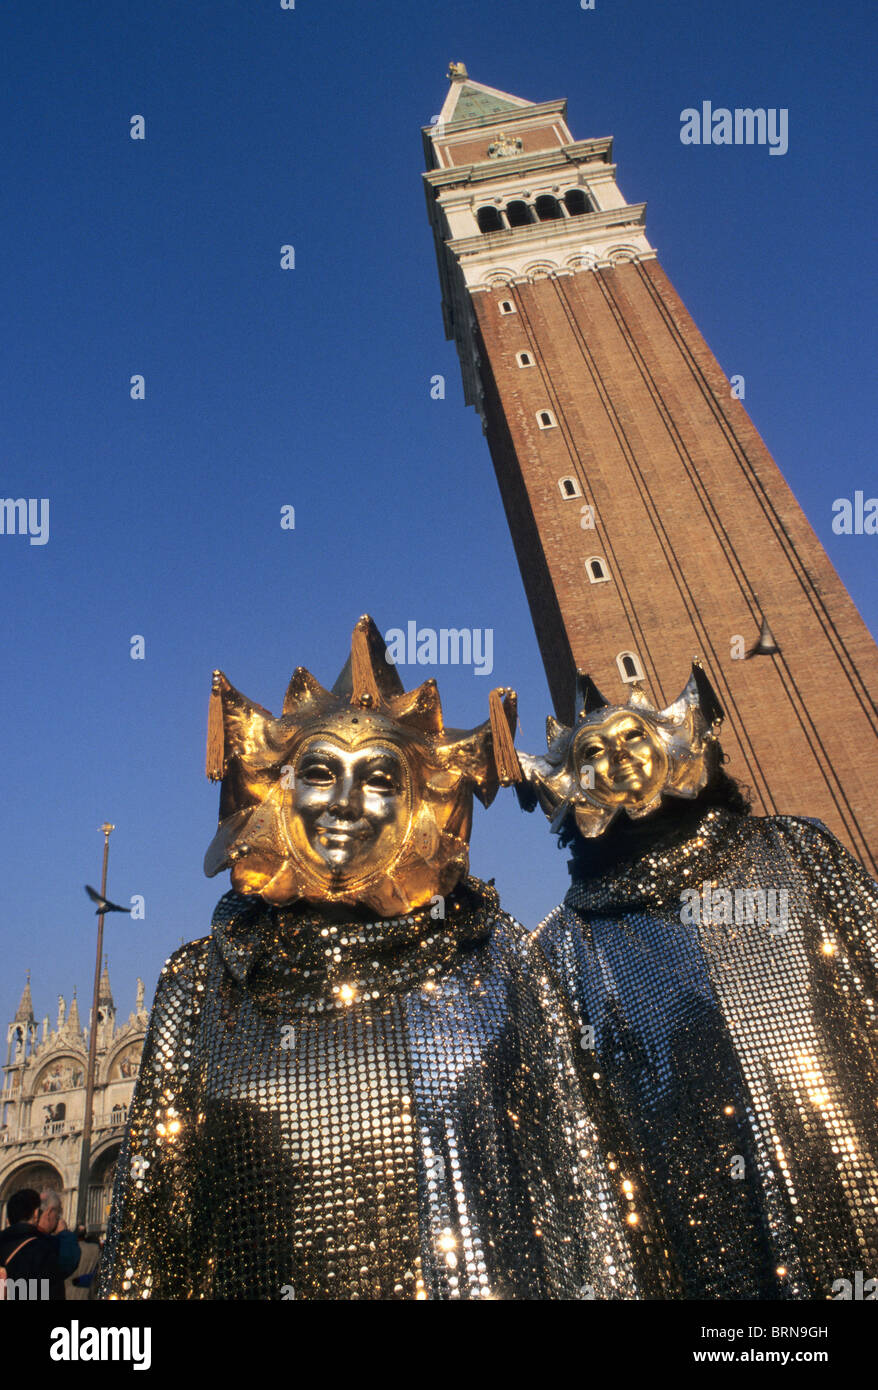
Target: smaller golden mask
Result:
[623, 757]
[353, 795]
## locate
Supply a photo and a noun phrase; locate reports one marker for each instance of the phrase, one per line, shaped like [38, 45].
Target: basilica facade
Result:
[42, 1102]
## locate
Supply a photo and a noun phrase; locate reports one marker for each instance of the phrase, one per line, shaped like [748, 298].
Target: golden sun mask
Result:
[353, 795]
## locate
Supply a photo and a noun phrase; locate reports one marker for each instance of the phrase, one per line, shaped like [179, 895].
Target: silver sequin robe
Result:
[740, 1056]
[364, 1110]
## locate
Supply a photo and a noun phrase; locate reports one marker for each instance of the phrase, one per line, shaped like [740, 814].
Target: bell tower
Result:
[649, 520]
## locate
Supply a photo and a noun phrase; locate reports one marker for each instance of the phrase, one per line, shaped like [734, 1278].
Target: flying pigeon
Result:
[104, 904]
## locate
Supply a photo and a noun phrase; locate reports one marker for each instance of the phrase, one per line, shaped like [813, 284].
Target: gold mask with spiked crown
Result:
[402, 835]
[585, 771]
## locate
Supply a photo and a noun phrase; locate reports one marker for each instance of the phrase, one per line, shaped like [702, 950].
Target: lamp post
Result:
[85, 1151]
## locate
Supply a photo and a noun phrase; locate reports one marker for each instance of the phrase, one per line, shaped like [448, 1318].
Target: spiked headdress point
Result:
[683, 733]
[254, 754]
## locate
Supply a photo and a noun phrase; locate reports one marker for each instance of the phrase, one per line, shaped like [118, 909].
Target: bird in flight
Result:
[104, 904]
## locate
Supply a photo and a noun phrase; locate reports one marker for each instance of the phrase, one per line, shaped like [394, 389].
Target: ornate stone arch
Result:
[111, 1145]
[620, 255]
[33, 1169]
[121, 1044]
[583, 260]
[540, 270]
[499, 278]
[66, 1062]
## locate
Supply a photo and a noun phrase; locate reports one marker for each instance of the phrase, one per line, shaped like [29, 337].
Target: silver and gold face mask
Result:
[623, 757]
[353, 795]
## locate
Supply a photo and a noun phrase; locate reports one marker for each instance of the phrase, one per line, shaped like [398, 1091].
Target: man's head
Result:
[355, 795]
[623, 757]
[50, 1211]
[23, 1205]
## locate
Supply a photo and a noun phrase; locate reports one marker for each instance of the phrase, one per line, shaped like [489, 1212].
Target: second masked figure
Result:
[723, 966]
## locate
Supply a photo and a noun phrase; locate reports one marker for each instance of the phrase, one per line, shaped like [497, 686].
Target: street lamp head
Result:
[107, 827]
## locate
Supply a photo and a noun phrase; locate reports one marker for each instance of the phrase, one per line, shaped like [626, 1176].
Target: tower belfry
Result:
[649, 520]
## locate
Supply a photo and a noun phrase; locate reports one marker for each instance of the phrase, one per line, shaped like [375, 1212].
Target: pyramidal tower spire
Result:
[73, 1024]
[25, 1011]
[467, 100]
[105, 994]
[645, 510]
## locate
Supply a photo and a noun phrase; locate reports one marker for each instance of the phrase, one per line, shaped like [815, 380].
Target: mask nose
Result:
[346, 801]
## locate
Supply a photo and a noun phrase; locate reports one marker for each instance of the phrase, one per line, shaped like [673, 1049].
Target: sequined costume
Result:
[363, 1109]
[740, 1055]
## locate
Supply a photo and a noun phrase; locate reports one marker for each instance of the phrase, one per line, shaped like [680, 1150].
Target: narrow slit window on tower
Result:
[569, 487]
[546, 420]
[547, 208]
[576, 201]
[519, 214]
[596, 567]
[506, 306]
[489, 220]
[524, 359]
[629, 666]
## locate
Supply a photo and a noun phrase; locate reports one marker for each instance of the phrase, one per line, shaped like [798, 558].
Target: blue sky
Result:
[310, 387]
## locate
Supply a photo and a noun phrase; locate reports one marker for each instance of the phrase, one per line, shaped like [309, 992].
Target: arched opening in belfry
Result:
[489, 220]
[548, 208]
[519, 214]
[576, 202]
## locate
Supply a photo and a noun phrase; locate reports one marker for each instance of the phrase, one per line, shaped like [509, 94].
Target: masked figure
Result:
[723, 967]
[364, 1084]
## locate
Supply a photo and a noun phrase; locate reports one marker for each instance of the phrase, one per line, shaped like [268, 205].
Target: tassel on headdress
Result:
[215, 759]
[503, 708]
